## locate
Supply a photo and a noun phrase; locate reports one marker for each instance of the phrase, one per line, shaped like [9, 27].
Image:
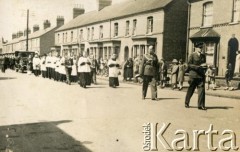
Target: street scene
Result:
[119, 75]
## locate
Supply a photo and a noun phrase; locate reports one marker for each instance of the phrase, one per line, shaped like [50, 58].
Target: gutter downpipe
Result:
[188, 29]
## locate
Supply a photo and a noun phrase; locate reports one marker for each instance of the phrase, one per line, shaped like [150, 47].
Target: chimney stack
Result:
[35, 28]
[46, 24]
[60, 21]
[103, 3]
[25, 32]
[19, 34]
[14, 35]
[78, 10]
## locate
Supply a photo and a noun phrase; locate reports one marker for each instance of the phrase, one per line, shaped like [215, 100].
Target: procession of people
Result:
[146, 69]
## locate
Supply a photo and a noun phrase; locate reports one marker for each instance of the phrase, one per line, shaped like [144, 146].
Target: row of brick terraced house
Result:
[171, 26]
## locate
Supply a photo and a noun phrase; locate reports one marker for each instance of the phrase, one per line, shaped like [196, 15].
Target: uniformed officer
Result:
[197, 67]
[149, 71]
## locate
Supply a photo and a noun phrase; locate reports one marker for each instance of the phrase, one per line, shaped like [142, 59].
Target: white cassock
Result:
[36, 63]
[85, 67]
[113, 71]
[74, 68]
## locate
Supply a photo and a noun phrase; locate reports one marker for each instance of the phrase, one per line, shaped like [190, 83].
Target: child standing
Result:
[228, 77]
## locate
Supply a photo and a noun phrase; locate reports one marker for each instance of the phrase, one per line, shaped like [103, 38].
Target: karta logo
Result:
[152, 136]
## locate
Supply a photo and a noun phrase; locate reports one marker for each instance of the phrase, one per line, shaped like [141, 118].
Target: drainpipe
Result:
[188, 29]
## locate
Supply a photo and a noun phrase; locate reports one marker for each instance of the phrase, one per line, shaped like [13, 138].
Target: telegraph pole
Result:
[27, 30]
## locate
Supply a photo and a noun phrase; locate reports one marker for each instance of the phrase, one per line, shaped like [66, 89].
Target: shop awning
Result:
[205, 34]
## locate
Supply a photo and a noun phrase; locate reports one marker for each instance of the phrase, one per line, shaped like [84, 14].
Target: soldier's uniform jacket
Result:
[194, 64]
[149, 65]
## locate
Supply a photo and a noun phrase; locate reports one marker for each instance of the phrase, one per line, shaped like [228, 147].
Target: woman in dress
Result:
[181, 72]
[174, 73]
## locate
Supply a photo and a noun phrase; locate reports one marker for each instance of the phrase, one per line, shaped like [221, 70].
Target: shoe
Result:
[156, 99]
[202, 108]
[186, 105]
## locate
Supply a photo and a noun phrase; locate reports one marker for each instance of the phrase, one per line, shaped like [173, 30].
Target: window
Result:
[101, 32]
[81, 34]
[207, 14]
[63, 37]
[88, 33]
[115, 29]
[92, 36]
[127, 28]
[134, 27]
[58, 38]
[66, 37]
[71, 36]
[236, 11]
[149, 24]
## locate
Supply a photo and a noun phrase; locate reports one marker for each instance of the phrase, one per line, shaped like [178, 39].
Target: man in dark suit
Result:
[197, 68]
[149, 71]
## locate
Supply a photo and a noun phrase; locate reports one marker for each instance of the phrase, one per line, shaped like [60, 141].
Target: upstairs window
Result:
[66, 37]
[71, 36]
[207, 14]
[115, 29]
[127, 28]
[149, 24]
[236, 11]
[101, 32]
[134, 27]
[81, 34]
[88, 33]
[92, 36]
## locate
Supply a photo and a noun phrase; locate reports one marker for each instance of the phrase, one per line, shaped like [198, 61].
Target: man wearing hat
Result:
[197, 67]
[149, 72]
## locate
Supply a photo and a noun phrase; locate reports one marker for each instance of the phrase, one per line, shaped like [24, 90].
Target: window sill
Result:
[203, 27]
[233, 23]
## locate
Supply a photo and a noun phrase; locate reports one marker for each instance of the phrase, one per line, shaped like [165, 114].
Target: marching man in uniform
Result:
[149, 72]
[197, 68]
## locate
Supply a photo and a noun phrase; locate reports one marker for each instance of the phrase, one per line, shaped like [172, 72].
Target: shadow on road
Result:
[44, 136]
[7, 78]
[215, 107]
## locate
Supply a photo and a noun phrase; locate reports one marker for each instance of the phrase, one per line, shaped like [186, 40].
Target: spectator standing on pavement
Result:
[149, 72]
[181, 73]
[197, 68]
[210, 77]
[174, 73]
[229, 77]
[237, 64]
[36, 65]
[162, 73]
[128, 70]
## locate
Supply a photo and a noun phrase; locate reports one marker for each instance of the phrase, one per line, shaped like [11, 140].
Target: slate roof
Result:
[32, 35]
[119, 10]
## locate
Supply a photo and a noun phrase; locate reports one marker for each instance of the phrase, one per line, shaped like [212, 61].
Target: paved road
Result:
[42, 115]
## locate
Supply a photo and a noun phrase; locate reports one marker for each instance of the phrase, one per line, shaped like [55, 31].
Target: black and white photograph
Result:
[119, 75]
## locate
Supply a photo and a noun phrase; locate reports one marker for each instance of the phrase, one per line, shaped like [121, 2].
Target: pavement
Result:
[42, 115]
[218, 92]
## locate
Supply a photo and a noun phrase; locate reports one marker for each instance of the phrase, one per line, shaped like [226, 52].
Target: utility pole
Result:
[27, 30]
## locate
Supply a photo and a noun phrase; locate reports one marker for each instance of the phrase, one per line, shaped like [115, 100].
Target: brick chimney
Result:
[46, 24]
[19, 34]
[35, 28]
[14, 35]
[78, 10]
[60, 21]
[103, 3]
[25, 32]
